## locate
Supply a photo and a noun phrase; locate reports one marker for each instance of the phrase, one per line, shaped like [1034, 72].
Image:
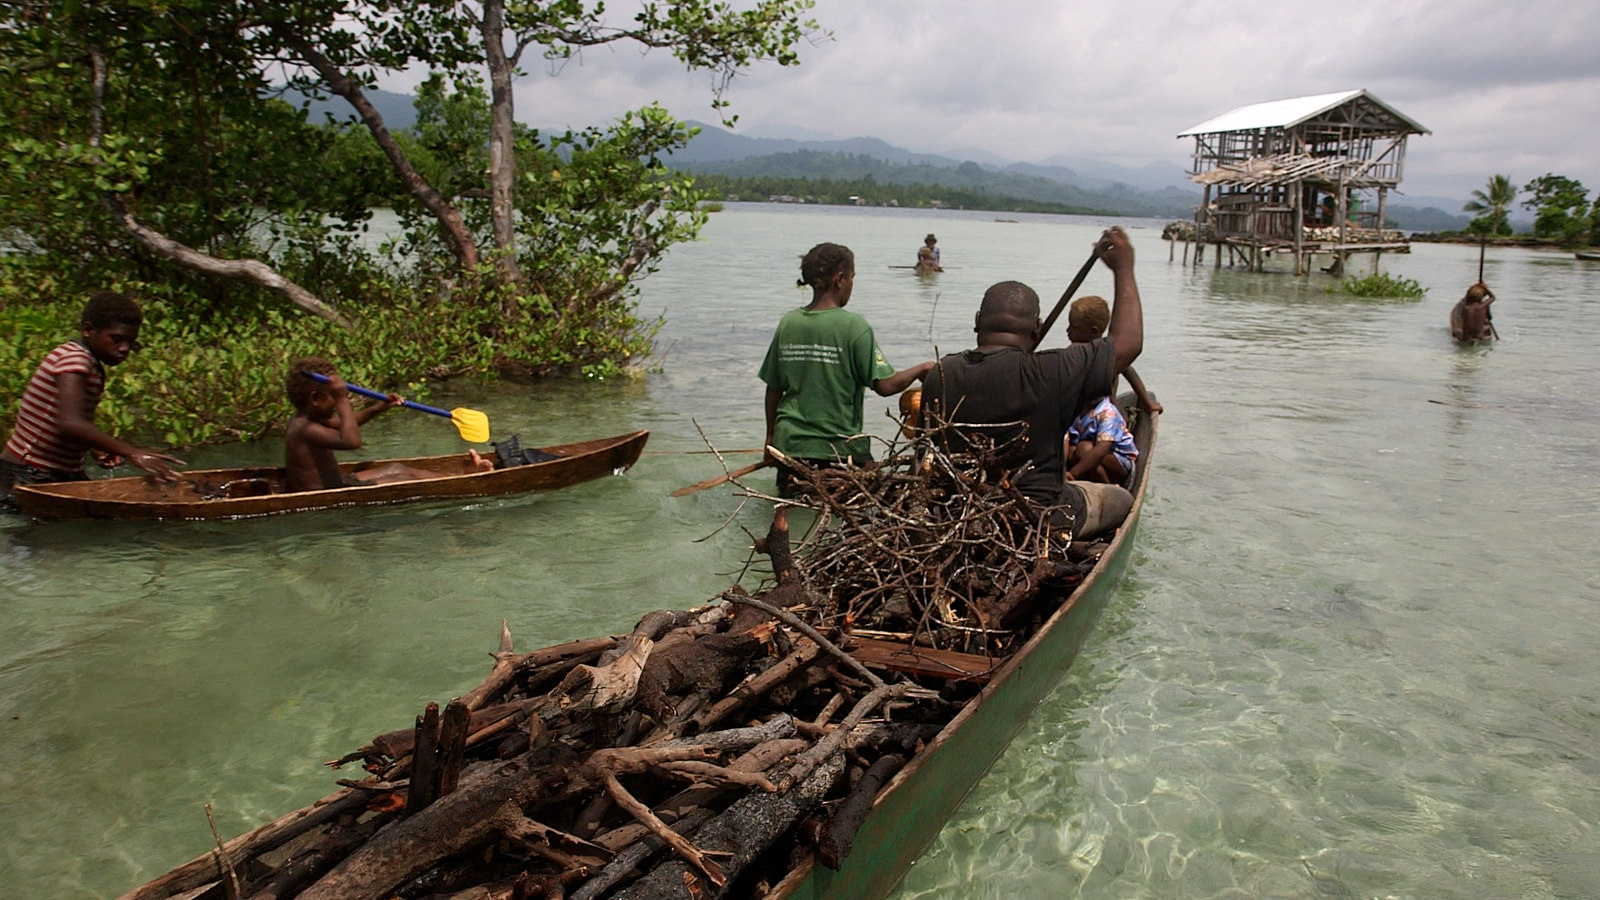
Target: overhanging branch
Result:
[246, 269]
[155, 241]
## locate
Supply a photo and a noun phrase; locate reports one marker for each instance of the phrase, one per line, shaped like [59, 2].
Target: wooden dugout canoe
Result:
[235, 493]
[912, 809]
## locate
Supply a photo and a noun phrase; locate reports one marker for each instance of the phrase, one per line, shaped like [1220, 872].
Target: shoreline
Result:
[1525, 243]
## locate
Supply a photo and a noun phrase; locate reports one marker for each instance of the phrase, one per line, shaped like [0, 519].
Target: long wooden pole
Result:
[1077, 280]
[720, 479]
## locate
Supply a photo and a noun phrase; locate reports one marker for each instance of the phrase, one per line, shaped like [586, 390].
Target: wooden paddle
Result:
[473, 424]
[1072, 288]
[720, 479]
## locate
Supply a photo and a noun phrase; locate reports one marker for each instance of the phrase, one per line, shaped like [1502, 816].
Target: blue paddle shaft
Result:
[379, 395]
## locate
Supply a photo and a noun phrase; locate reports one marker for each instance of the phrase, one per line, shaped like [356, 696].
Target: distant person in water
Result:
[928, 255]
[55, 417]
[821, 359]
[325, 421]
[1471, 320]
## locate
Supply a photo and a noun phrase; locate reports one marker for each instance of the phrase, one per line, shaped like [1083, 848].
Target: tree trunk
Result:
[502, 154]
[160, 244]
[460, 239]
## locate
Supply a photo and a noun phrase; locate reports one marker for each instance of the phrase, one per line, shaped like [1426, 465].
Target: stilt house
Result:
[1311, 174]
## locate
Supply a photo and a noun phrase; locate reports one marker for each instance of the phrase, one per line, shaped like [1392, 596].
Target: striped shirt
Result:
[37, 439]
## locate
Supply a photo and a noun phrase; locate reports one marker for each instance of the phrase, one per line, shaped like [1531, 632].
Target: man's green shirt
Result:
[822, 360]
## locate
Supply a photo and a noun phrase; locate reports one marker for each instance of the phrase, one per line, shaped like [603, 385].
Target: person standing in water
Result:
[1470, 319]
[821, 360]
[928, 255]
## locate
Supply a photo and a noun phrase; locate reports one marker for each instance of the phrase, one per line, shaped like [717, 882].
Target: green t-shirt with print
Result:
[822, 360]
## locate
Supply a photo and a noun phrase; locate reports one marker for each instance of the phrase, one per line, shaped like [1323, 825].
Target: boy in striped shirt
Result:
[55, 421]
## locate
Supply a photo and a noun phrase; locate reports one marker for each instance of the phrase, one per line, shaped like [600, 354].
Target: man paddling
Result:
[1014, 395]
[1470, 318]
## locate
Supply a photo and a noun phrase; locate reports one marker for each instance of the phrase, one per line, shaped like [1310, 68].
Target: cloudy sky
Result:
[1505, 87]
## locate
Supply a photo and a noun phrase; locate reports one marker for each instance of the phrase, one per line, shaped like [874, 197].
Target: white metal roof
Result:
[1286, 113]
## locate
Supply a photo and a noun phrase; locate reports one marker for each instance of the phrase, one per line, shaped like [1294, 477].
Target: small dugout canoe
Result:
[259, 491]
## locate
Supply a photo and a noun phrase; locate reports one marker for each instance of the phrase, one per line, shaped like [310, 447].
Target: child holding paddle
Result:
[324, 421]
[821, 359]
[55, 420]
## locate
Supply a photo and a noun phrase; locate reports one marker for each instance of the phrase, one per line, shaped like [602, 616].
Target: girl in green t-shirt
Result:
[821, 360]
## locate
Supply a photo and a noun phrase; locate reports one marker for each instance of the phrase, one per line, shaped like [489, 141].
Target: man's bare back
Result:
[1469, 320]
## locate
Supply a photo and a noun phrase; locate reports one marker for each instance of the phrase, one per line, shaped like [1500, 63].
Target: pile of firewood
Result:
[935, 547]
[705, 753]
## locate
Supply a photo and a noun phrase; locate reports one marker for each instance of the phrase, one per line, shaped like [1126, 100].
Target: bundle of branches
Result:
[709, 737]
[935, 545]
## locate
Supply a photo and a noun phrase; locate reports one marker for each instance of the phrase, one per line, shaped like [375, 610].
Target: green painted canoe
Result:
[910, 812]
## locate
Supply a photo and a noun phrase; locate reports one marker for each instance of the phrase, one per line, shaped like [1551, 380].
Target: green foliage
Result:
[871, 193]
[163, 108]
[1380, 286]
[1492, 206]
[199, 378]
[1561, 209]
[834, 177]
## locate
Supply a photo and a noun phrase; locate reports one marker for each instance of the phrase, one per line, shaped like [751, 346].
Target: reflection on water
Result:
[1354, 657]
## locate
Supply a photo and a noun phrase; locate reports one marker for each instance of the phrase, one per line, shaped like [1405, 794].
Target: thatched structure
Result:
[1307, 174]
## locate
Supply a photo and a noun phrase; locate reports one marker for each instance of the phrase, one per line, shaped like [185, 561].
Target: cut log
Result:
[424, 762]
[203, 869]
[609, 686]
[744, 831]
[395, 744]
[489, 797]
[638, 852]
[452, 745]
[923, 662]
[502, 675]
[752, 688]
[841, 829]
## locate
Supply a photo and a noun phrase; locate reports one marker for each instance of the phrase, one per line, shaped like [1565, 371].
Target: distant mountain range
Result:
[1156, 190]
[1160, 190]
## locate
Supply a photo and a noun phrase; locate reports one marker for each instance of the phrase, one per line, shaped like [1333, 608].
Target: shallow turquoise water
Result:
[1355, 655]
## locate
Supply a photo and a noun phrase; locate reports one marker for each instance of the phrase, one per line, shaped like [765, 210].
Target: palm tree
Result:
[1491, 207]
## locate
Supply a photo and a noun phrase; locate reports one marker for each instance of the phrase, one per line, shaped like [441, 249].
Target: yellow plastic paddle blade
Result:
[472, 423]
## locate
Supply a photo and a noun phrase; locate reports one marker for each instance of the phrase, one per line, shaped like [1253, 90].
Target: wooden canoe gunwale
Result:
[137, 497]
[911, 811]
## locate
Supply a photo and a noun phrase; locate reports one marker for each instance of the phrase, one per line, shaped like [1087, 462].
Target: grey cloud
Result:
[1499, 84]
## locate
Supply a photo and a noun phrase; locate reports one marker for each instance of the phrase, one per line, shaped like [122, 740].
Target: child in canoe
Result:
[55, 420]
[1099, 446]
[325, 421]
